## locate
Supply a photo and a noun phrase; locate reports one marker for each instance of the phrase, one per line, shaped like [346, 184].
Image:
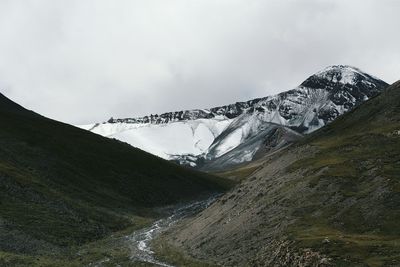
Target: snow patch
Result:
[164, 140]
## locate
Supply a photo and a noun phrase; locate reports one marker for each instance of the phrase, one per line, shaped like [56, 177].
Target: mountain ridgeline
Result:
[208, 138]
[342, 87]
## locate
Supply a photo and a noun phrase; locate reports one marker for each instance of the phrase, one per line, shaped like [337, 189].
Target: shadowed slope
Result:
[60, 185]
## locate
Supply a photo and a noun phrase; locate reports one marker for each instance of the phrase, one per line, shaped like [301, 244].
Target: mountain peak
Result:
[340, 68]
[343, 74]
[337, 76]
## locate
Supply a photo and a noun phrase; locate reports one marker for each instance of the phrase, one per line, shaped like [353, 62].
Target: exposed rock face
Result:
[323, 96]
[201, 136]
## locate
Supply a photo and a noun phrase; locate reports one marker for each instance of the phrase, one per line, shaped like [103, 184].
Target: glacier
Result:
[235, 133]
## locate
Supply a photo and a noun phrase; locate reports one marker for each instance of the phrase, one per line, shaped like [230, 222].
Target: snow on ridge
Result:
[165, 140]
[216, 131]
[344, 74]
[340, 74]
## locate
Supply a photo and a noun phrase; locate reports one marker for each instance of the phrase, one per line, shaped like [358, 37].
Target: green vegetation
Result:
[354, 178]
[63, 187]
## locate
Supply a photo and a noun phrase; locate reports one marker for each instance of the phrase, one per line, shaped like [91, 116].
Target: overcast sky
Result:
[82, 61]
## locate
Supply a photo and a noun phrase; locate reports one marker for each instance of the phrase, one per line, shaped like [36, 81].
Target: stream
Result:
[140, 240]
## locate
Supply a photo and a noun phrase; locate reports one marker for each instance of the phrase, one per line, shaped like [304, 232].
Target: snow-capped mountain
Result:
[235, 133]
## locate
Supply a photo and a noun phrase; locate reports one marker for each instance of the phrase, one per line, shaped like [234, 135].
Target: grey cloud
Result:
[84, 61]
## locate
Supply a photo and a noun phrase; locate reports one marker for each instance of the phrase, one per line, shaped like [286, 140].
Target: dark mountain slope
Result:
[332, 199]
[63, 186]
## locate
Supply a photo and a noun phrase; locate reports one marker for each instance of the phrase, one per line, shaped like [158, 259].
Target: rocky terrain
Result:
[331, 199]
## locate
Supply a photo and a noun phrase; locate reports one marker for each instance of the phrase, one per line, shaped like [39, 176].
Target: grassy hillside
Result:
[331, 199]
[356, 173]
[61, 186]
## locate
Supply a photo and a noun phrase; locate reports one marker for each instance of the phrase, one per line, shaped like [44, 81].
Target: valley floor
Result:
[130, 247]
